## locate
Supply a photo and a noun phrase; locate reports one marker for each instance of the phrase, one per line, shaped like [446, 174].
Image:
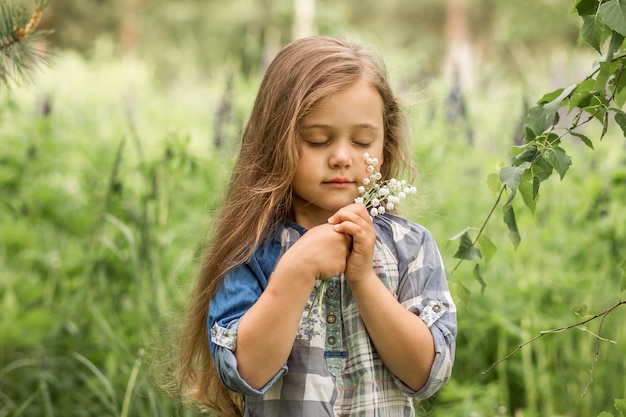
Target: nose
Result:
[340, 156]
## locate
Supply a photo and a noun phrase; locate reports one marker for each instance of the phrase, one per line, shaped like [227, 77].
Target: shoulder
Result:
[408, 241]
[395, 230]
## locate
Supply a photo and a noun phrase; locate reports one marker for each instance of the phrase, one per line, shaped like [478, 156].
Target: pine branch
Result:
[18, 32]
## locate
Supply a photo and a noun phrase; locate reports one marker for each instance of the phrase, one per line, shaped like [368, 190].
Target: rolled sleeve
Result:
[224, 340]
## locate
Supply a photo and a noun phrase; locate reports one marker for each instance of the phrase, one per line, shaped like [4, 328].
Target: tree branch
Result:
[598, 337]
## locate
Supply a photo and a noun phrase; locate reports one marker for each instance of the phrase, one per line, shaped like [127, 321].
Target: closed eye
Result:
[316, 144]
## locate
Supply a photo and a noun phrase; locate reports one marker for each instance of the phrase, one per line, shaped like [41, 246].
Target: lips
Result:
[339, 182]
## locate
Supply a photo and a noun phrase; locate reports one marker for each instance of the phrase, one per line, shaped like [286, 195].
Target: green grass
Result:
[105, 202]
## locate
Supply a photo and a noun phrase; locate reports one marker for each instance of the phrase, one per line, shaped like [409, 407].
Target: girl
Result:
[257, 341]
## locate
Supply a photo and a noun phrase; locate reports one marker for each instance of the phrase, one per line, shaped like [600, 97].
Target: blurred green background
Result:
[113, 159]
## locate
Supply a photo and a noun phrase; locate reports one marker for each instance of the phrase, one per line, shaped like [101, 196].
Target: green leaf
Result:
[616, 42]
[460, 293]
[542, 169]
[592, 31]
[605, 414]
[543, 116]
[580, 310]
[529, 188]
[620, 119]
[538, 120]
[549, 97]
[583, 138]
[620, 405]
[467, 250]
[528, 155]
[605, 124]
[586, 7]
[582, 95]
[559, 160]
[512, 176]
[511, 223]
[613, 12]
[486, 246]
[478, 276]
[493, 183]
[603, 76]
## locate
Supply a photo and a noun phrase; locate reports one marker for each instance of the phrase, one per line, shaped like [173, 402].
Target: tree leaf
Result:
[460, 293]
[613, 12]
[467, 250]
[478, 276]
[616, 41]
[620, 119]
[581, 96]
[620, 405]
[542, 169]
[528, 155]
[603, 76]
[512, 176]
[486, 246]
[511, 223]
[592, 31]
[583, 138]
[494, 184]
[559, 160]
[586, 7]
[542, 116]
[529, 188]
[580, 310]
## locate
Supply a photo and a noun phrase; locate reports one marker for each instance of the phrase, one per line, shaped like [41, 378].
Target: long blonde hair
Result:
[259, 194]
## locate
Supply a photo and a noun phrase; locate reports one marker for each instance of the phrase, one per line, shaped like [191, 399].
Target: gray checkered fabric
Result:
[333, 368]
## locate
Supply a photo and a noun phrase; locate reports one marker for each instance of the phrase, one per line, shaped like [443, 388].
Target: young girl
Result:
[384, 330]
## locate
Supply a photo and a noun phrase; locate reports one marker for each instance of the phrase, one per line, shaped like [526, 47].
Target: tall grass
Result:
[104, 203]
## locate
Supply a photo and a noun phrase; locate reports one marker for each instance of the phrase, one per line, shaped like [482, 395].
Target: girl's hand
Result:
[321, 252]
[355, 221]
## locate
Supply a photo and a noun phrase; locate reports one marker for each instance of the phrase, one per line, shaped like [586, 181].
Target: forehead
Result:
[358, 104]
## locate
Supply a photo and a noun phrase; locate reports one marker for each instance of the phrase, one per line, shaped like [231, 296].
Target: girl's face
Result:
[335, 135]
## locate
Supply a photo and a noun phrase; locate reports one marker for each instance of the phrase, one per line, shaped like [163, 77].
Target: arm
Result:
[403, 341]
[279, 309]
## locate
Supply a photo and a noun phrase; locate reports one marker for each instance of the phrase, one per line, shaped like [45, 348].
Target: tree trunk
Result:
[304, 16]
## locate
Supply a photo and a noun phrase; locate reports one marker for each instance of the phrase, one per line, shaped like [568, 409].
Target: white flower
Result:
[379, 195]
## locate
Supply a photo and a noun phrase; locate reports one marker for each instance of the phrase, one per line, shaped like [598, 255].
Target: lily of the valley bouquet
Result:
[379, 196]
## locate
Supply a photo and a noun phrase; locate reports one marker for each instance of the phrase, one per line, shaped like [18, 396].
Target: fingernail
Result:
[330, 219]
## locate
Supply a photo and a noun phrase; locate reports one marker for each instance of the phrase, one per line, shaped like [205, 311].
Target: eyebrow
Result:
[365, 126]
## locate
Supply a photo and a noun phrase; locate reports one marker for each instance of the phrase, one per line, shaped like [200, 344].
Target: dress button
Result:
[331, 340]
[436, 308]
[332, 293]
[331, 318]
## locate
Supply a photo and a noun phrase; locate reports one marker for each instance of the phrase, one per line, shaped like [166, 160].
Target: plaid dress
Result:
[333, 368]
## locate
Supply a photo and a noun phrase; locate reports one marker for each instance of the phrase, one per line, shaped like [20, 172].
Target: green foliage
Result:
[597, 97]
[18, 32]
[105, 200]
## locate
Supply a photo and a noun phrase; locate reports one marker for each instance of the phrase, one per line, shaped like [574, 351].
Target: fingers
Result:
[353, 219]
